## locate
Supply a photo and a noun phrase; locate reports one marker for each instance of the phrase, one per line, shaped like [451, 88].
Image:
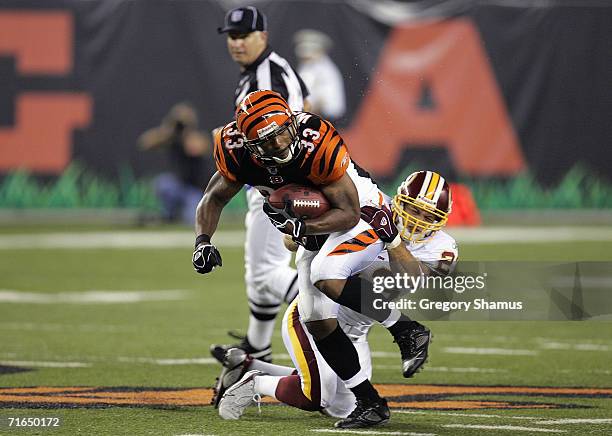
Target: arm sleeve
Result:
[443, 260]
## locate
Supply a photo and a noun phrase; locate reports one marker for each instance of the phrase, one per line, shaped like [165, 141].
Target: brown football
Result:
[306, 202]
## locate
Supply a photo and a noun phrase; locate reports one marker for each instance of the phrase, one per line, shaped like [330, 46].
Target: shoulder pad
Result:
[227, 142]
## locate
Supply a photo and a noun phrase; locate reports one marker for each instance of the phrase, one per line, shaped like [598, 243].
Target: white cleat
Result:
[235, 365]
[239, 396]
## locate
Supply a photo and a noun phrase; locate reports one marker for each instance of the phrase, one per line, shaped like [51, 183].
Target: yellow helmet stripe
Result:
[433, 184]
[441, 183]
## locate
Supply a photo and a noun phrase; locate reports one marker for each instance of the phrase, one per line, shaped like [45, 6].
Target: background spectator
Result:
[188, 150]
[320, 73]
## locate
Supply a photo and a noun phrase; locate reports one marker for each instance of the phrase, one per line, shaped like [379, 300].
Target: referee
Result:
[269, 278]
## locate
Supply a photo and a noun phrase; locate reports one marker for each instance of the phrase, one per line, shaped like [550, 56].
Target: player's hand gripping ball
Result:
[304, 202]
[289, 206]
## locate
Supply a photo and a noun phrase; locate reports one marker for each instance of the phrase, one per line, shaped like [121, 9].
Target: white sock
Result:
[270, 368]
[282, 282]
[266, 385]
[259, 333]
[358, 378]
[392, 319]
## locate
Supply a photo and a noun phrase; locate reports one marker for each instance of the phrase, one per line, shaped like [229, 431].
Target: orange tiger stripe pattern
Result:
[331, 157]
[360, 242]
[220, 156]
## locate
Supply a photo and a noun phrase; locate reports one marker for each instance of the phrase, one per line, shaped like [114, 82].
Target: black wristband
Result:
[202, 238]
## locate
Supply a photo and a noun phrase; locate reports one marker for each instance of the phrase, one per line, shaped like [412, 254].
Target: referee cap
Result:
[244, 20]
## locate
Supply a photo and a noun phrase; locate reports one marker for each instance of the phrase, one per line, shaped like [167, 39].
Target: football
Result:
[306, 202]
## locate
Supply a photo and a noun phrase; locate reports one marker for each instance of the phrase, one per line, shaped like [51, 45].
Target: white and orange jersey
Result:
[438, 253]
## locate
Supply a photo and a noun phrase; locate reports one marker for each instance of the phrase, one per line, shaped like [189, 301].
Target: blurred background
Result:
[509, 99]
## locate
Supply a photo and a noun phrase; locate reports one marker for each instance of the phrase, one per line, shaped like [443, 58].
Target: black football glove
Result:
[381, 220]
[284, 220]
[206, 257]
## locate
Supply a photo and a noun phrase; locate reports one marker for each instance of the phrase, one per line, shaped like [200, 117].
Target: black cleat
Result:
[368, 413]
[218, 351]
[413, 344]
[235, 364]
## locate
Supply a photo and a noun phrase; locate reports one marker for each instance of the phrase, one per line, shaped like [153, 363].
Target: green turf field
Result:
[142, 366]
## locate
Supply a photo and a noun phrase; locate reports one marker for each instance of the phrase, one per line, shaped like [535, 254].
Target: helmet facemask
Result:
[414, 228]
[257, 149]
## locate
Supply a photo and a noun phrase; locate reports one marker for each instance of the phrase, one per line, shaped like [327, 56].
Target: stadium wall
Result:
[478, 90]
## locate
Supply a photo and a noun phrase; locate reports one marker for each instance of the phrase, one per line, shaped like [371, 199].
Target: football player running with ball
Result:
[267, 147]
[419, 215]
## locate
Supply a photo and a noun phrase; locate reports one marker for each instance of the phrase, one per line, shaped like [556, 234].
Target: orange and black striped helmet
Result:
[261, 117]
[421, 205]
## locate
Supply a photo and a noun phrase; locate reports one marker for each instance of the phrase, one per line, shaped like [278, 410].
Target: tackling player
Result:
[311, 385]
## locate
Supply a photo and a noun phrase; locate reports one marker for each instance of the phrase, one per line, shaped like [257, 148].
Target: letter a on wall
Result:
[434, 85]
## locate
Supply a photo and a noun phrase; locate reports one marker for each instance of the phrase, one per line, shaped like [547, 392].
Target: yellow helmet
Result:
[421, 206]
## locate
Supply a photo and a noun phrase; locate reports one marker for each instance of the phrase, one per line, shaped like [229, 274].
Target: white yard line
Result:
[52, 327]
[384, 354]
[504, 427]
[391, 433]
[579, 347]
[170, 362]
[450, 369]
[91, 297]
[127, 239]
[495, 235]
[196, 435]
[588, 282]
[576, 421]
[120, 240]
[39, 364]
[477, 338]
[281, 356]
[470, 415]
[490, 351]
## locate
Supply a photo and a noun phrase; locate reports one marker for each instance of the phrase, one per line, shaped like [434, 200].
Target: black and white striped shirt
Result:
[273, 72]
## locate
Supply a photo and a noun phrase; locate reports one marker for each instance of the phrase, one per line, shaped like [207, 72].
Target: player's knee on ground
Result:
[321, 329]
